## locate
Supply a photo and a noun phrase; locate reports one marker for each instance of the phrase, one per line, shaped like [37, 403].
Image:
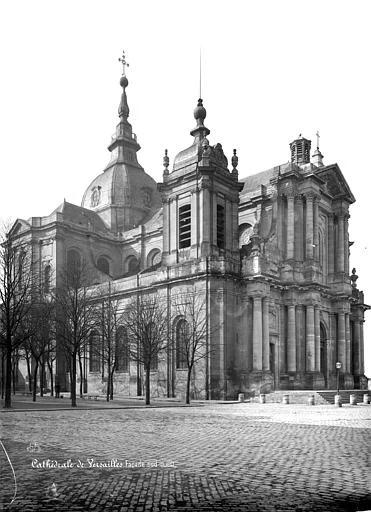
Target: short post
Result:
[285, 399]
[262, 398]
[353, 400]
[338, 401]
[366, 399]
[241, 397]
[311, 400]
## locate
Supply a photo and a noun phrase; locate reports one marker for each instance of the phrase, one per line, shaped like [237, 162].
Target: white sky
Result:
[271, 70]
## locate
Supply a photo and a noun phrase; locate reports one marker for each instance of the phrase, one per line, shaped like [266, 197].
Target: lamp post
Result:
[337, 397]
[338, 366]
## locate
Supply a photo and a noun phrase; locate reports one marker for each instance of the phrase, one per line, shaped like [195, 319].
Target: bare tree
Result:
[15, 303]
[75, 317]
[109, 351]
[41, 336]
[145, 321]
[190, 334]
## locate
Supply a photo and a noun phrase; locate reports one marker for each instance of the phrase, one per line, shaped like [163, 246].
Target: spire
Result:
[123, 107]
[124, 145]
[317, 155]
[200, 132]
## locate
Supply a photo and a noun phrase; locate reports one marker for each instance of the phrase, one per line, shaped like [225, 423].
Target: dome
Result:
[124, 187]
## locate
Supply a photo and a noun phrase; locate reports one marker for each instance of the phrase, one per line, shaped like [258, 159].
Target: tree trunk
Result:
[29, 373]
[35, 381]
[81, 376]
[188, 385]
[42, 378]
[108, 382]
[148, 385]
[111, 384]
[73, 381]
[50, 366]
[2, 375]
[8, 375]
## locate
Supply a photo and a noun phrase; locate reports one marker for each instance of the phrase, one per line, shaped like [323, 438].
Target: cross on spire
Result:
[123, 62]
[317, 135]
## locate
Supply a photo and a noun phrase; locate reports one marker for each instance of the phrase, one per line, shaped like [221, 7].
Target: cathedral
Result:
[269, 254]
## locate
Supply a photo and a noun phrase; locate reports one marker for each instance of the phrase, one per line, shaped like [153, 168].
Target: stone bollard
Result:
[366, 399]
[311, 400]
[262, 398]
[241, 397]
[353, 400]
[285, 399]
[338, 401]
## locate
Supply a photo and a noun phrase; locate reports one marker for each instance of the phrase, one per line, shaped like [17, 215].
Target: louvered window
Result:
[185, 226]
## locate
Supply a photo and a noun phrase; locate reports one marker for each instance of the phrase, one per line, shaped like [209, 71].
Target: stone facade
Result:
[269, 256]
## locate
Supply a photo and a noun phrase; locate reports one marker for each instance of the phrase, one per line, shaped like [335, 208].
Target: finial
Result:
[317, 135]
[234, 161]
[123, 62]
[166, 164]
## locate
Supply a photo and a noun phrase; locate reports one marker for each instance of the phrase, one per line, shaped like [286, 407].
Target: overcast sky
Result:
[271, 70]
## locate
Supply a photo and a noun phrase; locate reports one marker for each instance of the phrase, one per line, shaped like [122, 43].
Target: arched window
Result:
[132, 265]
[73, 264]
[94, 352]
[154, 258]
[182, 344]
[103, 265]
[122, 350]
[47, 271]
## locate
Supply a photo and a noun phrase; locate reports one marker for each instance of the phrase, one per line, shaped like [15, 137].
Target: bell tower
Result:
[200, 198]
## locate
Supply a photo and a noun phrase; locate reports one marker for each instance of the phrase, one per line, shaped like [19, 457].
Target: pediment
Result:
[18, 226]
[336, 184]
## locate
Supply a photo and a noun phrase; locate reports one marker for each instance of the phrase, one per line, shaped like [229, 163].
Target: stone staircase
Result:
[328, 396]
[320, 397]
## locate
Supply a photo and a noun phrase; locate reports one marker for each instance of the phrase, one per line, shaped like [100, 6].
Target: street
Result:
[217, 457]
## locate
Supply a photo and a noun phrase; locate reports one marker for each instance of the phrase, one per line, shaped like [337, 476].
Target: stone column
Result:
[315, 229]
[291, 339]
[346, 244]
[356, 343]
[299, 228]
[309, 227]
[317, 338]
[310, 347]
[283, 344]
[340, 244]
[257, 334]
[361, 350]
[290, 233]
[331, 244]
[347, 343]
[341, 341]
[173, 221]
[266, 333]
[166, 235]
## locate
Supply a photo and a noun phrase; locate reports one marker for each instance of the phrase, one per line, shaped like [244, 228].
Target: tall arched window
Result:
[94, 352]
[103, 265]
[122, 350]
[47, 271]
[73, 264]
[182, 343]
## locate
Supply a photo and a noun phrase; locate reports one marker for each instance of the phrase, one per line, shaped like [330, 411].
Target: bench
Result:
[91, 397]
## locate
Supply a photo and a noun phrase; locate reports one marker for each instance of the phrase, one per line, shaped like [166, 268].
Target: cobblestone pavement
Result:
[240, 457]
